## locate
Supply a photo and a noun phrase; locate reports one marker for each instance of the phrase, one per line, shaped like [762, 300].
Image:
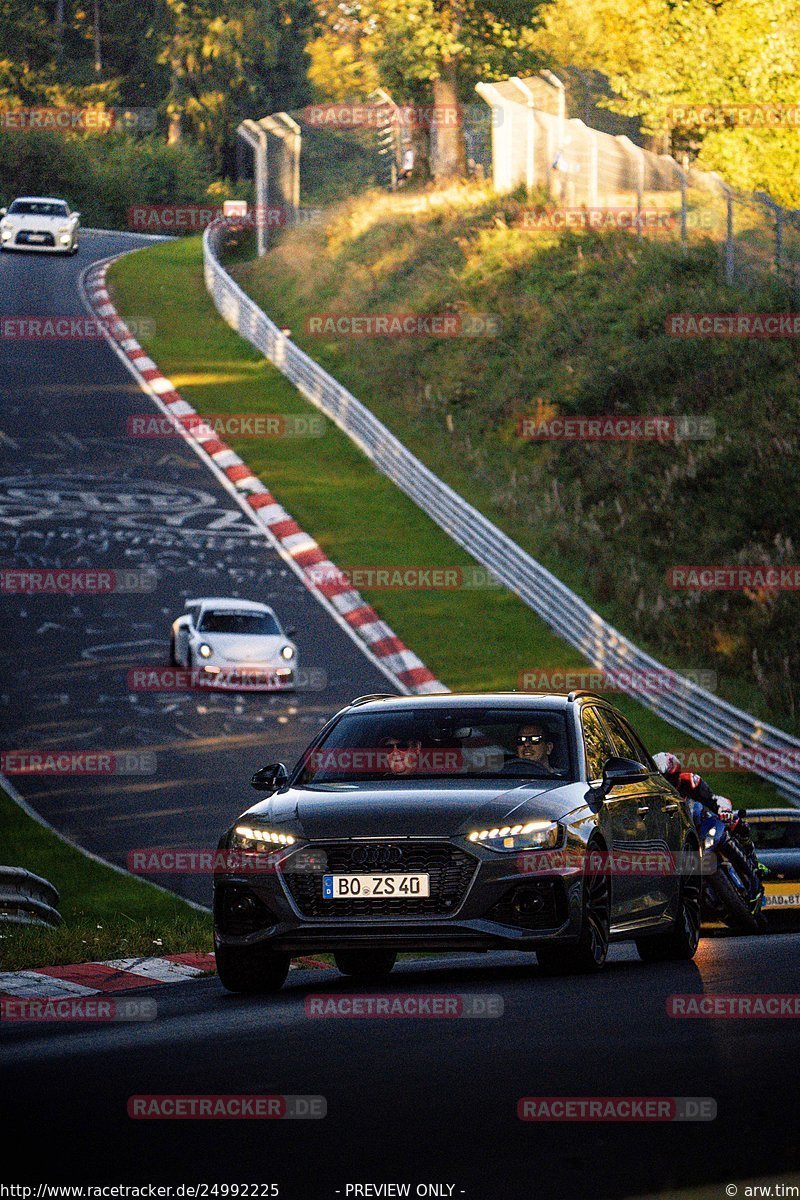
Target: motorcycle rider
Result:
[690, 785]
[693, 787]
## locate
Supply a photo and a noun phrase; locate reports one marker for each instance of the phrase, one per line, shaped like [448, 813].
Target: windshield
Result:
[259, 624]
[38, 208]
[468, 744]
[776, 833]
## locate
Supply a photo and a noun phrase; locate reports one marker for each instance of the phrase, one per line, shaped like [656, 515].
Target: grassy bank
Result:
[583, 333]
[106, 914]
[472, 639]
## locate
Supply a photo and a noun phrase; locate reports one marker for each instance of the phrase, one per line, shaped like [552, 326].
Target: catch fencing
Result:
[536, 146]
[775, 755]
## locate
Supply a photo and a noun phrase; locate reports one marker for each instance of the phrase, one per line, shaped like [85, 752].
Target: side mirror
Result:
[290, 633]
[270, 778]
[616, 771]
[3, 212]
[622, 770]
[76, 215]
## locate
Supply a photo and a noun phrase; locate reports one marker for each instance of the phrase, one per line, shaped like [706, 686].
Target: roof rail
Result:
[372, 696]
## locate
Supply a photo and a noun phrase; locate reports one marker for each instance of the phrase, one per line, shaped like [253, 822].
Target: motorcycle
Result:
[732, 887]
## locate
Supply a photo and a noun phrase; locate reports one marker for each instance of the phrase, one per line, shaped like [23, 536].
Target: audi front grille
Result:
[451, 871]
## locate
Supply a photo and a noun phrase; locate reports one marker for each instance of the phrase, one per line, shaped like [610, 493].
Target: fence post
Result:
[594, 160]
[296, 145]
[256, 138]
[501, 145]
[530, 131]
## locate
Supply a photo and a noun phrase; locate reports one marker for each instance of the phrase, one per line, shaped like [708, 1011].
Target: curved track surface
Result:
[77, 491]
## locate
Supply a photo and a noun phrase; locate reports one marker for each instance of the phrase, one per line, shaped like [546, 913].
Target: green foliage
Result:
[583, 330]
[202, 65]
[229, 60]
[105, 914]
[661, 56]
[402, 44]
[102, 176]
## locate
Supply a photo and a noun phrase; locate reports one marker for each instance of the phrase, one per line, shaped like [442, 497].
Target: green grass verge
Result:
[106, 914]
[478, 640]
[584, 333]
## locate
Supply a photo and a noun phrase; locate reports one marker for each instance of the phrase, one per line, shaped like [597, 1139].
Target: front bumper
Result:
[233, 677]
[501, 907]
[40, 247]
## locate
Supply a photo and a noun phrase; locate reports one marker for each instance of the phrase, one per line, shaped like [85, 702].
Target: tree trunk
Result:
[98, 56]
[448, 157]
[60, 30]
[174, 129]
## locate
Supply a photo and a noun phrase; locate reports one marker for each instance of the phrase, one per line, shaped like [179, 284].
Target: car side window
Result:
[597, 744]
[622, 740]
[642, 754]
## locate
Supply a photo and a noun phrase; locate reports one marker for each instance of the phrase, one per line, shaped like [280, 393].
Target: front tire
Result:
[366, 965]
[173, 653]
[737, 911]
[678, 944]
[256, 970]
[588, 955]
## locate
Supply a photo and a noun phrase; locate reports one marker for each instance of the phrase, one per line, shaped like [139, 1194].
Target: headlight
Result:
[204, 650]
[534, 835]
[711, 837]
[287, 652]
[65, 229]
[250, 837]
[4, 225]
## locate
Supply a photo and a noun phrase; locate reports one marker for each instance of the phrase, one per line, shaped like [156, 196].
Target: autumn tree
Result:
[663, 57]
[422, 50]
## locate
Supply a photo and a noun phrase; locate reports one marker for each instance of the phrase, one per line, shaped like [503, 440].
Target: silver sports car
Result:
[39, 223]
[236, 644]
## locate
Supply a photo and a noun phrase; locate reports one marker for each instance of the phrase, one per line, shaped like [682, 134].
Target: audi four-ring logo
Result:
[376, 856]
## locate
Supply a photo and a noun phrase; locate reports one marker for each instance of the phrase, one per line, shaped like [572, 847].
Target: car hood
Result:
[29, 221]
[243, 648]
[422, 808]
[781, 862]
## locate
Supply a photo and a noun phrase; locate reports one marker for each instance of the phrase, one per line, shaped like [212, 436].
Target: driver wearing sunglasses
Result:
[533, 745]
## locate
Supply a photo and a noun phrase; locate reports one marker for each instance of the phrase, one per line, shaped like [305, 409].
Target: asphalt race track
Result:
[422, 1101]
[77, 491]
[428, 1100]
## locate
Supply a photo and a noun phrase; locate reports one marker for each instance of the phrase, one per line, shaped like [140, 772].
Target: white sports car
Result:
[39, 223]
[236, 644]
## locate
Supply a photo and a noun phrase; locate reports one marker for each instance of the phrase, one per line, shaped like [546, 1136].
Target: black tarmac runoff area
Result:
[77, 491]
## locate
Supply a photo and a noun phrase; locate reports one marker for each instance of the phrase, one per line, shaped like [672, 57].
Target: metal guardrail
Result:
[27, 899]
[775, 755]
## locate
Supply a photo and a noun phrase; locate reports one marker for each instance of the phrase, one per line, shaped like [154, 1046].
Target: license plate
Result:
[35, 237]
[383, 887]
[781, 895]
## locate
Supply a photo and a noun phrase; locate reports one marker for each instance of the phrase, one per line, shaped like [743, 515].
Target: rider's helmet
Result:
[667, 762]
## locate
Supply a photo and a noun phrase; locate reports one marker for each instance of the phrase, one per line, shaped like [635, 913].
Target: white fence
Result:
[774, 754]
[534, 145]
